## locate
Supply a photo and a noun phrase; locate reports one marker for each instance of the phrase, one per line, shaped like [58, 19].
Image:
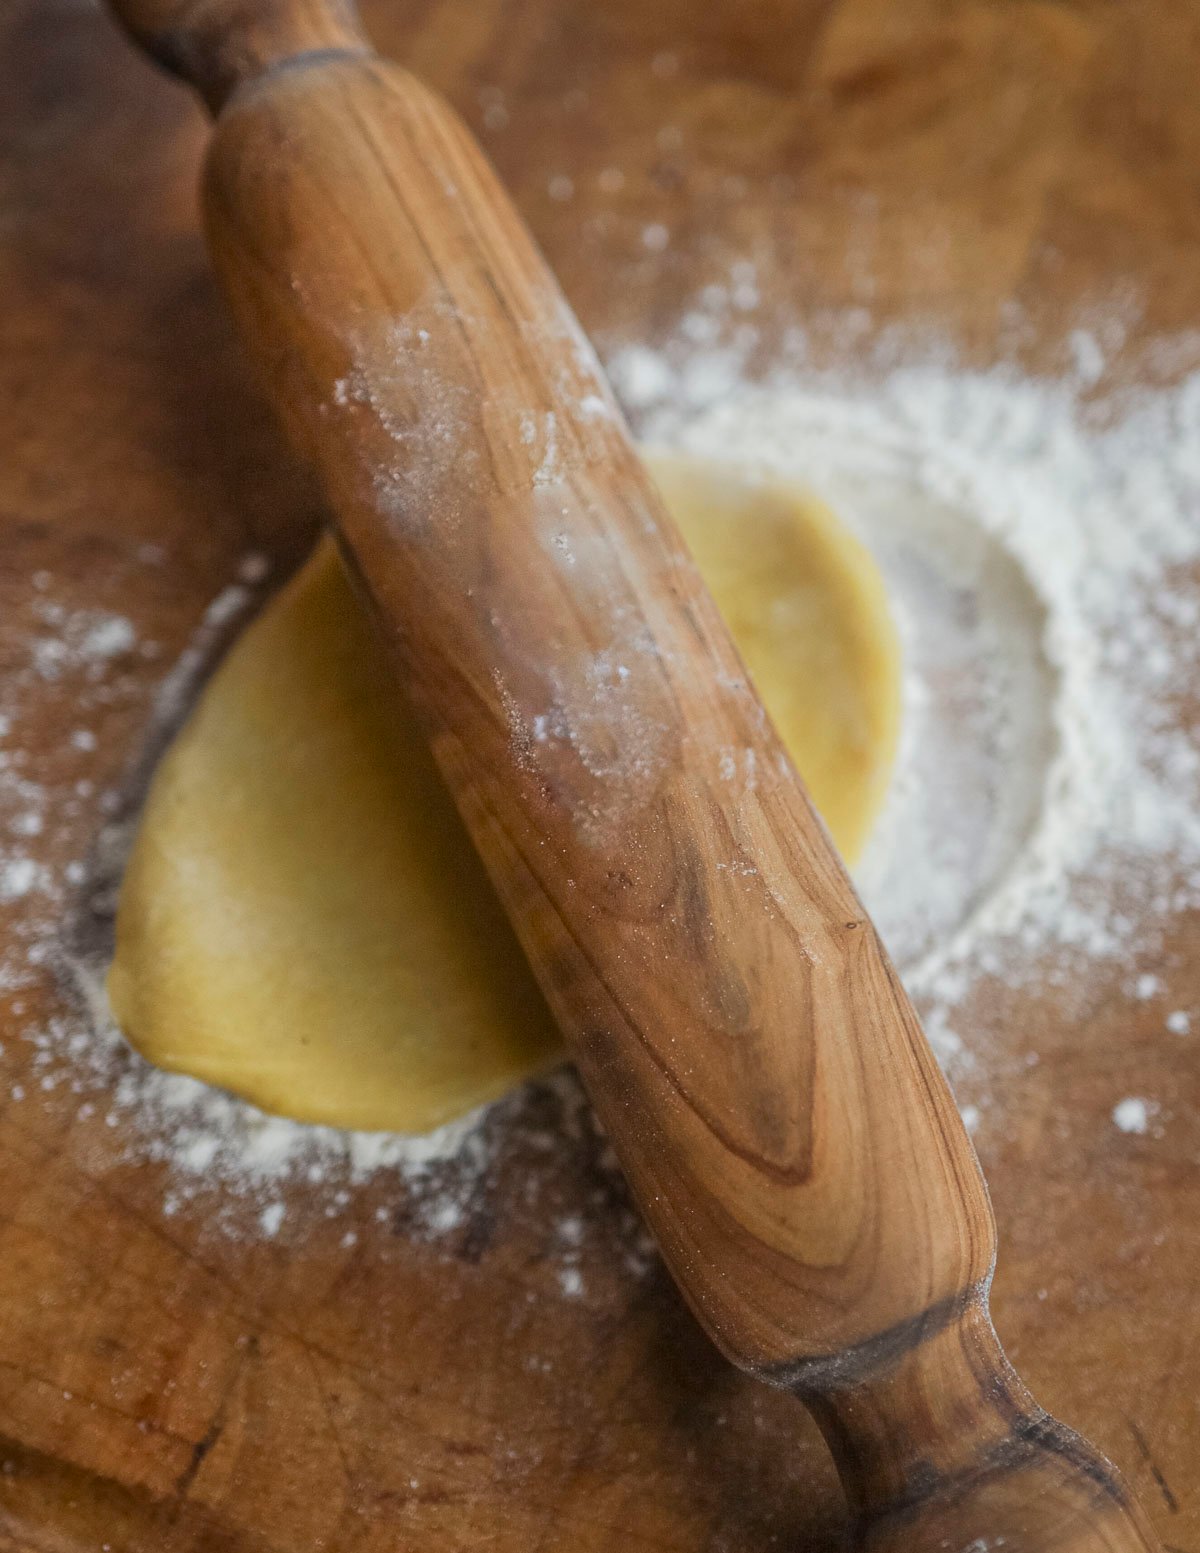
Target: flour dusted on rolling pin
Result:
[447, 424]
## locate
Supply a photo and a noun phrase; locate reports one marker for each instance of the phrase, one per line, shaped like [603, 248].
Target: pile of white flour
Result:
[1040, 543]
[1040, 549]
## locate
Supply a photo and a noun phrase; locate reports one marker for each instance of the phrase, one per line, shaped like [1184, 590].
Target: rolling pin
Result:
[782, 1122]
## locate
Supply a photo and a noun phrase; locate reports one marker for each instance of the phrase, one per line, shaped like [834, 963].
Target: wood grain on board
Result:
[171, 1381]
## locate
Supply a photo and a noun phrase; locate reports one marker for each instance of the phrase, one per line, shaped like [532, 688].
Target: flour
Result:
[222, 1157]
[1038, 543]
[17, 877]
[1133, 1114]
[1045, 813]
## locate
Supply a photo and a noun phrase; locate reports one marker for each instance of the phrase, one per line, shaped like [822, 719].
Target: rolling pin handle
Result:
[940, 1446]
[218, 45]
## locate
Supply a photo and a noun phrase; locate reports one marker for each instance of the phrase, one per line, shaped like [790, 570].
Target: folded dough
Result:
[303, 919]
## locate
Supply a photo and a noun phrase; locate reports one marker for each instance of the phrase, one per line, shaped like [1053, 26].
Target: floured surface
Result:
[478, 1351]
[1036, 555]
[1039, 554]
[304, 921]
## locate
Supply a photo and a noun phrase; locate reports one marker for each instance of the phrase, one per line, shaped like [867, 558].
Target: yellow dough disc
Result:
[303, 919]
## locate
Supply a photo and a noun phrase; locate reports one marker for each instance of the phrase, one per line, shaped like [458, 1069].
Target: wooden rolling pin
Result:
[740, 1029]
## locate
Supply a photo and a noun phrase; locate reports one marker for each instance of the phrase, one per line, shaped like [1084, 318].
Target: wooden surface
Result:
[782, 1124]
[166, 1383]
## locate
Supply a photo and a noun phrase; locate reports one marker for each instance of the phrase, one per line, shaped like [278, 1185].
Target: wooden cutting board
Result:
[171, 1378]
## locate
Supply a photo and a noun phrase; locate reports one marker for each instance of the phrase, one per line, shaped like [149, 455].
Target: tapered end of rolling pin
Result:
[942, 1449]
[216, 44]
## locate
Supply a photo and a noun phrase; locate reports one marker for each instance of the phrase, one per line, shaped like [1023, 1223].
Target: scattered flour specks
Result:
[270, 1219]
[1133, 1114]
[17, 877]
[1040, 551]
[110, 636]
[570, 1281]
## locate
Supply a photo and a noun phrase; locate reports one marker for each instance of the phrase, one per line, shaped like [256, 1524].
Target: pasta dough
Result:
[303, 919]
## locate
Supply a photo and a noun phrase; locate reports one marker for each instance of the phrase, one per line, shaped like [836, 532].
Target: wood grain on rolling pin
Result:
[740, 1029]
[693, 928]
